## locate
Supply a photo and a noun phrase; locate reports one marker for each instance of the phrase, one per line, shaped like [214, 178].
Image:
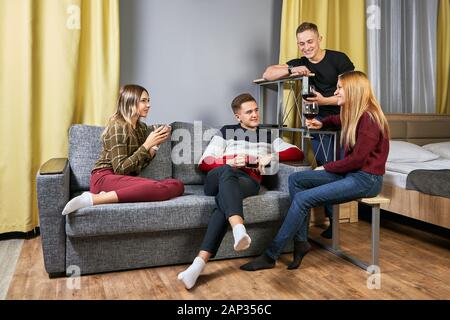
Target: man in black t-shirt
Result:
[326, 73]
[327, 65]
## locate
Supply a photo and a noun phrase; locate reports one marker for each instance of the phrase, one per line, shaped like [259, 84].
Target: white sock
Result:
[82, 201]
[241, 238]
[190, 275]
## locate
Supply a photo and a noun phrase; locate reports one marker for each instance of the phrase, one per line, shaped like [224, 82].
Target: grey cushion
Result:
[188, 144]
[160, 167]
[189, 211]
[194, 189]
[85, 147]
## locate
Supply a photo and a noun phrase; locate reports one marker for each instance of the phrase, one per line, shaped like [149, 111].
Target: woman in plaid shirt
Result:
[127, 149]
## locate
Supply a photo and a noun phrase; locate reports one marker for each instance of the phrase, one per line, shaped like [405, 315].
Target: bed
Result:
[420, 130]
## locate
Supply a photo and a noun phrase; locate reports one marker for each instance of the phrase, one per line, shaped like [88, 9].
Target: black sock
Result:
[261, 262]
[328, 233]
[301, 248]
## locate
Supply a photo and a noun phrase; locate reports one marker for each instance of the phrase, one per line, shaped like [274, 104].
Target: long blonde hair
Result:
[127, 107]
[359, 98]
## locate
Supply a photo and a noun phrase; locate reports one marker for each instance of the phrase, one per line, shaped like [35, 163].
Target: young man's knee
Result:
[227, 173]
[227, 168]
[220, 170]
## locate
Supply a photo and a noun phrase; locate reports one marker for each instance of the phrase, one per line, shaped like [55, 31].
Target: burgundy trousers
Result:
[135, 189]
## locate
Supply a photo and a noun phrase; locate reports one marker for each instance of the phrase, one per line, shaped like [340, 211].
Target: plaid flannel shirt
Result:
[124, 153]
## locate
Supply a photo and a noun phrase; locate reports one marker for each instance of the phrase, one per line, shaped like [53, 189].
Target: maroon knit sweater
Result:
[370, 151]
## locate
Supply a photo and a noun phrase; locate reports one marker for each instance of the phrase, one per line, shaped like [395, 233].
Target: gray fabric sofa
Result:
[136, 235]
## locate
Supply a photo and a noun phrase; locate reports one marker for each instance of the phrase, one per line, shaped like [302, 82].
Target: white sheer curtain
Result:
[401, 42]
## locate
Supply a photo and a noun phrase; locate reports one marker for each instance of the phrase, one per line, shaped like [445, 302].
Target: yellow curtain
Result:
[443, 58]
[59, 65]
[342, 23]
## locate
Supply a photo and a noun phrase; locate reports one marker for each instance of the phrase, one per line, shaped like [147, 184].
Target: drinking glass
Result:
[310, 111]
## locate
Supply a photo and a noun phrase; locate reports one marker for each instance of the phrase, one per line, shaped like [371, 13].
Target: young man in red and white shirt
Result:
[235, 160]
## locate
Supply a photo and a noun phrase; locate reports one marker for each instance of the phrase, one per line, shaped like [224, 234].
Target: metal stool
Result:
[374, 203]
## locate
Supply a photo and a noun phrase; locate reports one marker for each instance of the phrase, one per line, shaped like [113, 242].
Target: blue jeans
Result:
[315, 188]
[322, 158]
[323, 153]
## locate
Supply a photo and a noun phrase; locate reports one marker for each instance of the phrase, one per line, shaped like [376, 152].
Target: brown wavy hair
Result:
[127, 104]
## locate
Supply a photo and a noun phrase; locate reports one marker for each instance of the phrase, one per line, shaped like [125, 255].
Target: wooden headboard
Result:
[419, 128]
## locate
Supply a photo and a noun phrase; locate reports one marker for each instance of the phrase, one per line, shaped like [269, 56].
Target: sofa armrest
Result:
[280, 183]
[53, 192]
[53, 166]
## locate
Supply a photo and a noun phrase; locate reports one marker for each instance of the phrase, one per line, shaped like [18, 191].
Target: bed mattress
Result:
[397, 173]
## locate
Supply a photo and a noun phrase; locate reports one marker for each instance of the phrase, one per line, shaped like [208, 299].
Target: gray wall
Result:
[195, 56]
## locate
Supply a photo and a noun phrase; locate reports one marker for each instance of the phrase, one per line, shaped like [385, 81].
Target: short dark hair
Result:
[239, 100]
[307, 26]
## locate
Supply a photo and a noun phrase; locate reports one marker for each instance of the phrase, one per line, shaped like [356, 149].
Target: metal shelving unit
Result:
[282, 113]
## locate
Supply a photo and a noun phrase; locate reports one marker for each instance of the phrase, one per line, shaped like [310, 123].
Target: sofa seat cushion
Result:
[190, 189]
[190, 211]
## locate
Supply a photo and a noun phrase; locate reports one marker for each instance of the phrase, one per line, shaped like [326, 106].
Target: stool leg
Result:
[335, 228]
[375, 234]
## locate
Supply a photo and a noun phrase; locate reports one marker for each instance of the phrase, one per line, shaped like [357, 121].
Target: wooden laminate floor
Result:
[9, 254]
[414, 265]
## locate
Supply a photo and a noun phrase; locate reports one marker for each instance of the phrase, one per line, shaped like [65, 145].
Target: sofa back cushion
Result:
[84, 150]
[85, 147]
[189, 140]
[161, 165]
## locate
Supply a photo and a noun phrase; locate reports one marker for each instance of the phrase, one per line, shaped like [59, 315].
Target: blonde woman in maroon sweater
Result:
[365, 136]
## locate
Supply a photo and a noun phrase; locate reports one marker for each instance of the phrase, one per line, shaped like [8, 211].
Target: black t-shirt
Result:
[327, 71]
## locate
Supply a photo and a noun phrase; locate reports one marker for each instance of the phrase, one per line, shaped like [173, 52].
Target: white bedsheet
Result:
[396, 173]
[407, 167]
[395, 179]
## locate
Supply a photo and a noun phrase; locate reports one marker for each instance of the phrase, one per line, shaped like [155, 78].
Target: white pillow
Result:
[402, 151]
[440, 148]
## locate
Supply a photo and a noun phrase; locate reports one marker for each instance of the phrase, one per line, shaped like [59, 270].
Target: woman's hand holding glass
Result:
[157, 136]
[318, 98]
[313, 124]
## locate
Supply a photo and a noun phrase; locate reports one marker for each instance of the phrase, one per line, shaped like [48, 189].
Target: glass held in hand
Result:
[308, 90]
[310, 111]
